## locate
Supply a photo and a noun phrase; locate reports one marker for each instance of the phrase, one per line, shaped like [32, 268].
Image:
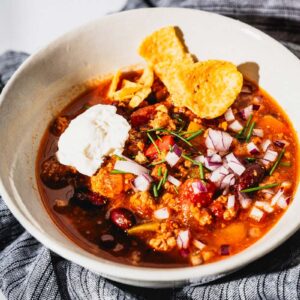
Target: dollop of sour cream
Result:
[96, 133]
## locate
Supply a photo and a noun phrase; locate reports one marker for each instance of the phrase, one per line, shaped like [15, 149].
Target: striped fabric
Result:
[28, 270]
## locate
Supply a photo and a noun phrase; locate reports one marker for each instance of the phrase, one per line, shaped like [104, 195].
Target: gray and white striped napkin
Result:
[28, 270]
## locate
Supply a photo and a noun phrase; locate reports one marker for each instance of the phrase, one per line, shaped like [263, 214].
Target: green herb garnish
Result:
[152, 141]
[162, 180]
[195, 134]
[155, 192]
[119, 157]
[118, 172]
[157, 162]
[250, 159]
[159, 171]
[176, 190]
[240, 135]
[251, 127]
[258, 188]
[201, 172]
[277, 162]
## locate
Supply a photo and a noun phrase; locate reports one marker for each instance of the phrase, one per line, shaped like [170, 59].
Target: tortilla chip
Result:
[139, 97]
[147, 77]
[114, 84]
[211, 87]
[127, 91]
[164, 45]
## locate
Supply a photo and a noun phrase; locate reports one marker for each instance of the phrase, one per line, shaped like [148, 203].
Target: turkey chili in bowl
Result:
[181, 163]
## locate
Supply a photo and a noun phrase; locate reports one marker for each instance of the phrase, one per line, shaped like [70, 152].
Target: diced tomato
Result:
[187, 193]
[163, 145]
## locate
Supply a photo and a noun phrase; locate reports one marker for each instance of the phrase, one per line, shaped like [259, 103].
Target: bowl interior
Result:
[42, 87]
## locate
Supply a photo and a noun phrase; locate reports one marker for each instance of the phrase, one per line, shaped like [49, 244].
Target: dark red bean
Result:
[83, 197]
[107, 241]
[55, 175]
[252, 176]
[122, 218]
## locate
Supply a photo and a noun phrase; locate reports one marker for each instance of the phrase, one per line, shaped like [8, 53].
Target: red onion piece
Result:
[229, 116]
[234, 164]
[211, 152]
[265, 145]
[282, 203]
[173, 180]
[227, 181]
[218, 140]
[162, 213]
[209, 164]
[172, 158]
[277, 196]
[199, 187]
[236, 126]
[256, 214]
[225, 250]
[280, 143]
[218, 174]
[198, 244]
[251, 147]
[244, 200]
[215, 158]
[231, 201]
[142, 182]
[183, 239]
[264, 205]
[130, 166]
[258, 132]
[270, 156]
[246, 112]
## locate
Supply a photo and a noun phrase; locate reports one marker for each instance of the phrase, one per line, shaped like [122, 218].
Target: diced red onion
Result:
[211, 152]
[130, 166]
[258, 132]
[236, 126]
[215, 158]
[244, 200]
[268, 193]
[246, 112]
[172, 158]
[280, 143]
[256, 214]
[162, 213]
[209, 164]
[198, 244]
[227, 181]
[264, 205]
[265, 145]
[173, 180]
[277, 196]
[218, 140]
[229, 116]
[231, 201]
[200, 158]
[225, 250]
[142, 182]
[199, 187]
[218, 174]
[234, 164]
[255, 106]
[270, 156]
[183, 239]
[251, 147]
[282, 203]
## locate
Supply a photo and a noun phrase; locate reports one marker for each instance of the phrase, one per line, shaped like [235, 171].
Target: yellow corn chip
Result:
[127, 91]
[164, 45]
[147, 77]
[211, 86]
[139, 97]
[114, 83]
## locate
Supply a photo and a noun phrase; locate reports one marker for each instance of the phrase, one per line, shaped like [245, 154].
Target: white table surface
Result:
[27, 25]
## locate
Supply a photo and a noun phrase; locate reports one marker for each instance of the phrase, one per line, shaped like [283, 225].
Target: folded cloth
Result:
[28, 270]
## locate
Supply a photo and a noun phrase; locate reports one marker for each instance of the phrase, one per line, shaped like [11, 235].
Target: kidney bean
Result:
[122, 218]
[55, 175]
[251, 177]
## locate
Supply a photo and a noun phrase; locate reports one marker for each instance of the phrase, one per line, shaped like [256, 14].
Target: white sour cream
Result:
[97, 132]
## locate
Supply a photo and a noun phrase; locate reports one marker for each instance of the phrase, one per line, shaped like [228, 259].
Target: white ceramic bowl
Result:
[33, 95]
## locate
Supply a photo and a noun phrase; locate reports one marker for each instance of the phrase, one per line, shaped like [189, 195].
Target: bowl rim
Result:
[119, 270]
